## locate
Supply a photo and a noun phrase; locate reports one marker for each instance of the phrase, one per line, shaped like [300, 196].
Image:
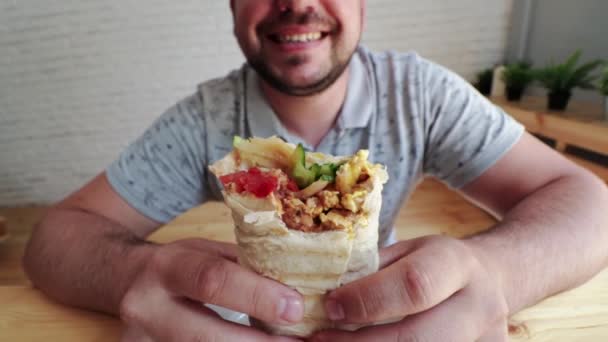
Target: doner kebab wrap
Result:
[307, 220]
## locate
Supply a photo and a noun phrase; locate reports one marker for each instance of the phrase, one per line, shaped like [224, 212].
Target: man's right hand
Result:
[165, 302]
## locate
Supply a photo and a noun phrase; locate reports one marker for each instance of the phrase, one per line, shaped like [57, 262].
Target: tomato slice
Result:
[292, 186]
[254, 181]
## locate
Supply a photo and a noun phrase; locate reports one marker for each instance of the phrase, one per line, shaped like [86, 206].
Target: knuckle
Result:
[129, 309]
[257, 301]
[159, 260]
[365, 311]
[416, 285]
[374, 304]
[363, 304]
[210, 278]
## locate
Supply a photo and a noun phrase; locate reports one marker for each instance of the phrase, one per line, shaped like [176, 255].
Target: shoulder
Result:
[220, 96]
[415, 72]
[212, 98]
[390, 62]
[199, 117]
[227, 85]
[211, 108]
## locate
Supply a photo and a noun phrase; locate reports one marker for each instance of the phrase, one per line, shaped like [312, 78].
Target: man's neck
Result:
[309, 117]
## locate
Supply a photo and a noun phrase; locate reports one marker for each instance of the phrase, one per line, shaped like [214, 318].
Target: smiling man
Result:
[309, 81]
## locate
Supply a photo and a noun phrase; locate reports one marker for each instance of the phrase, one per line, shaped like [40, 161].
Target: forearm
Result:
[84, 260]
[551, 241]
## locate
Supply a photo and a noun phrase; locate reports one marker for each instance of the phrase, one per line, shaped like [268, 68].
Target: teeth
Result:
[300, 38]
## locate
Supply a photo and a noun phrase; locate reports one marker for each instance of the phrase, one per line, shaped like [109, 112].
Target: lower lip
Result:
[297, 47]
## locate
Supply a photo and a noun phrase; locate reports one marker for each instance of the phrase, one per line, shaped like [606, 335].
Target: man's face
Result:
[300, 47]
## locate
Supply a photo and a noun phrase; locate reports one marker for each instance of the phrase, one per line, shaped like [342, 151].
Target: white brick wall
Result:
[79, 79]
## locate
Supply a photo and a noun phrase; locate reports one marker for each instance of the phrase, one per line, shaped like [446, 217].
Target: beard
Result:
[315, 85]
[329, 72]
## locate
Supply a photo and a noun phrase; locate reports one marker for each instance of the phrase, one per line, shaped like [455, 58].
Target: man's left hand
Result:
[443, 287]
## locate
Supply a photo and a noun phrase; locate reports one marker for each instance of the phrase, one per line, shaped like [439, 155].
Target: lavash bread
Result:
[310, 262]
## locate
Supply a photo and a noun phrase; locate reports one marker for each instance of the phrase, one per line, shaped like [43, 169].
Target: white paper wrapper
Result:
[311, 263]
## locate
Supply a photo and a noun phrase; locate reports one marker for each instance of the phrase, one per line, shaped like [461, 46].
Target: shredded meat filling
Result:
[326, 210]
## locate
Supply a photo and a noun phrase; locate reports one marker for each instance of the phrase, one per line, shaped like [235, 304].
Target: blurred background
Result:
[80, 79]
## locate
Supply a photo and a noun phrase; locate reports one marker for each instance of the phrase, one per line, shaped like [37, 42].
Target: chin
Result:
[303, 80]
[299, 75]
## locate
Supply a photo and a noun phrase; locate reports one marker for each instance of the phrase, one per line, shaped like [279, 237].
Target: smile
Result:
[298, 38]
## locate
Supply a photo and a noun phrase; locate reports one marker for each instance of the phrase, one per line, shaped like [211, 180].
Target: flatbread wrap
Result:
[307, 220]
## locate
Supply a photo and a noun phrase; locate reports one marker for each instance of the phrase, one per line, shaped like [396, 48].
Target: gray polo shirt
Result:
[414, 116]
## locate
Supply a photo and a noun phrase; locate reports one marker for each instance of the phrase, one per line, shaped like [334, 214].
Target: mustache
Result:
[310, 18]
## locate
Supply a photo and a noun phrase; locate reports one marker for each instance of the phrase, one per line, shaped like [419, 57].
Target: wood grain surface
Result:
[27, 315]
[19, 223]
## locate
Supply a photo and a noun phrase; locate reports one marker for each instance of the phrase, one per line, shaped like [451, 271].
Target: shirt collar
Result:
[356, 111]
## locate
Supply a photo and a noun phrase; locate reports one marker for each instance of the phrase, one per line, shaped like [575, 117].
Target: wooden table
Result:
[19, 223]
[578, 315]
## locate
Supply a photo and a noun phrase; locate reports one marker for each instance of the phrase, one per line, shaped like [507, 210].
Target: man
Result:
[309, 81]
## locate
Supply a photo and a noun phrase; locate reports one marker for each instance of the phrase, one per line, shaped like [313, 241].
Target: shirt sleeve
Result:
[465, 133]
[162, 174]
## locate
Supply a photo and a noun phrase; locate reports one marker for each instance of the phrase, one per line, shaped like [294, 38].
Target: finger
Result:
[181, 320]
[397, 251]
[226, 250]
[498, 333]
[422, 279]
[214, 280]
[459, 319]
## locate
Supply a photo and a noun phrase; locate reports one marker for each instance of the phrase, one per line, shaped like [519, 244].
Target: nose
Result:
[297, 6]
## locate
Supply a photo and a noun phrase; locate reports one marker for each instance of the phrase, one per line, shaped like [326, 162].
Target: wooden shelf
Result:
[581, 126]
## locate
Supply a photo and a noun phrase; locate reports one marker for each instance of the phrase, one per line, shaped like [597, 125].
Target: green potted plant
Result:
[484, 81]
[604, 90]
[560, 79]
[517, 77]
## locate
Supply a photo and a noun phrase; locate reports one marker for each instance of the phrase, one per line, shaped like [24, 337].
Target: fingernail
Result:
[335, 311]
[291, 309]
